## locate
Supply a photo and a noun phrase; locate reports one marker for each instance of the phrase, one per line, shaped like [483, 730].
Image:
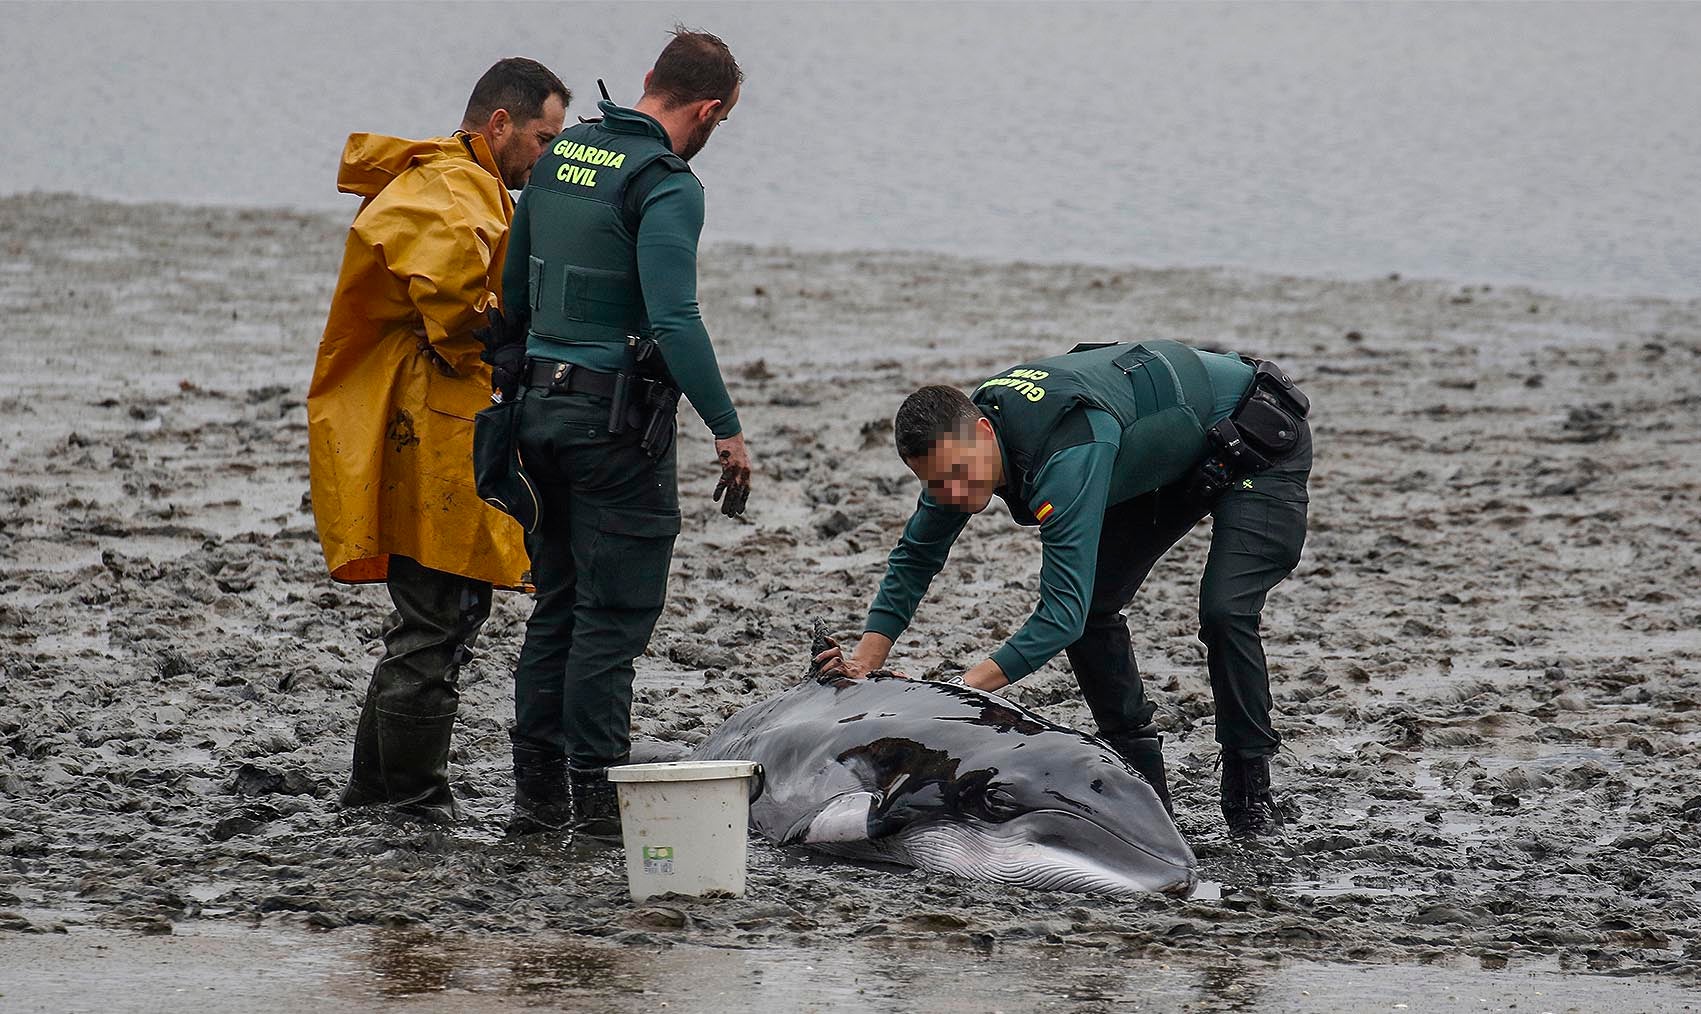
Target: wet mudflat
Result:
[1487, 667]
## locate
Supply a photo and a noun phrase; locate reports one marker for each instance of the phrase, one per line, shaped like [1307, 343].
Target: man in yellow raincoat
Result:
[390, 410]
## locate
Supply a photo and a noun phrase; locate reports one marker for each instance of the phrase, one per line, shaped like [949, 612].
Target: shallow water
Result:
[236, 969]
[1544, 143]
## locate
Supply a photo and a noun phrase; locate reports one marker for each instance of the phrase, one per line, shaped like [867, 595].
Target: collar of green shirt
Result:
[1003, 487]
[622, 120]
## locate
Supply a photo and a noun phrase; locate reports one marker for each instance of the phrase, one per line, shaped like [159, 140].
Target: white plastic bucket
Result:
[685, 826]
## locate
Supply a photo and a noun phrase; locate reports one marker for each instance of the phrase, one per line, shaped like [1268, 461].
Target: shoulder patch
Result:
[1045, 510]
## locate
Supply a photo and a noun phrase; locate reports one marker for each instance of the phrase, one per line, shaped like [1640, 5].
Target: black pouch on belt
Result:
[1269, 417]
[620, 403]
[1268, 426]
[1274, 380]
[499, 474]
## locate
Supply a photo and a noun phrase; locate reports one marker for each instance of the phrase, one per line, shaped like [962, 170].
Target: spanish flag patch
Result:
[1044, 511]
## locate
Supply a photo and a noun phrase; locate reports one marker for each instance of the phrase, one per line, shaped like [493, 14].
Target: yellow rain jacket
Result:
[389, 414]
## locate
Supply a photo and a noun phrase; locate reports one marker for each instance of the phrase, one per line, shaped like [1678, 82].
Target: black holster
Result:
[650, 402]
[661, 415]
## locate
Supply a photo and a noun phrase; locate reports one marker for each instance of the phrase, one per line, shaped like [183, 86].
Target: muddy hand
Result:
[831, 661]
[834, 662]
[735, 475]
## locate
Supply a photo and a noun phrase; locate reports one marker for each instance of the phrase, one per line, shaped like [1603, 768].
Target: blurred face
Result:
[517, 146]
[963, 470]
[708, 116]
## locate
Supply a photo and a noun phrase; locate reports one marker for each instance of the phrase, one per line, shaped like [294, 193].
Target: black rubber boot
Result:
[414, 752]
[1143, 749]
[541, 802]
[1249, 807]
[403, 761]
[401, 745]
[596, 804]
[366, 781]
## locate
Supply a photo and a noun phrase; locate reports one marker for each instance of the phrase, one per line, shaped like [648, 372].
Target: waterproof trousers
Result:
[600, 554]
[401, 746]
[1257, 532]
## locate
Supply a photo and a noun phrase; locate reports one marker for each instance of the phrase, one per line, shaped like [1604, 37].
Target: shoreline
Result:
[1532, 287]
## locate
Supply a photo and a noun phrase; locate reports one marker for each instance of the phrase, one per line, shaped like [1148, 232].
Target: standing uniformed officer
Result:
[1115, 452]
[604, 259]
[395, 386]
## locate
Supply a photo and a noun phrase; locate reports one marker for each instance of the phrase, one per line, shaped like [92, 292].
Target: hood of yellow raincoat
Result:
[372, 161]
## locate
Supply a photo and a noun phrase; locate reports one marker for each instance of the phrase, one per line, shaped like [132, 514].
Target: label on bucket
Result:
[658, 859]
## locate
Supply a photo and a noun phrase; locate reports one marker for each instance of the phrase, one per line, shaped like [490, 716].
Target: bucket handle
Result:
[761, 779]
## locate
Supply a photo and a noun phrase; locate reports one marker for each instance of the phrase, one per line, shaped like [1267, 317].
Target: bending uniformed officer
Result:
[604, 257]
[1115, 452]
[390, 408]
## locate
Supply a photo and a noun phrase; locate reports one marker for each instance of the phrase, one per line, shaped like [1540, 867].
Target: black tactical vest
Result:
[1158, 391]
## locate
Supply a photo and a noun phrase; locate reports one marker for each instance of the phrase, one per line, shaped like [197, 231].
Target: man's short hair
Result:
[930, 415]
[693, 67]
[518, 85]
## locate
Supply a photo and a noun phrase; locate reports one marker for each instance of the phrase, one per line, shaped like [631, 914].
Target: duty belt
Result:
[568, 378]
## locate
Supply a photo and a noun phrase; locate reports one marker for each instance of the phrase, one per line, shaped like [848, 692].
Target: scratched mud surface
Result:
[1487, 668]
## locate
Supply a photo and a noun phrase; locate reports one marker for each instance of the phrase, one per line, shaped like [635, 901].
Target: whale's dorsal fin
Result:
[843, 818]
[820, 641]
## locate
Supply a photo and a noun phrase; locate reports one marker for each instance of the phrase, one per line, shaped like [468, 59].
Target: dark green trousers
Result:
[401, 747]
[600, 555]
[1257, 532]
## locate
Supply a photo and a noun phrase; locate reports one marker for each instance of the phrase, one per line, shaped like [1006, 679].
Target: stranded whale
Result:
[950, 779]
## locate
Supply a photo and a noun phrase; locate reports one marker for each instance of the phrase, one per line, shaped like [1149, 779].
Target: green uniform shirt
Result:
[665, 249]
[1079, 482]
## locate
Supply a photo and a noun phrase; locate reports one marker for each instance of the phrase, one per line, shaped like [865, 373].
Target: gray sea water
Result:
[1555, 144]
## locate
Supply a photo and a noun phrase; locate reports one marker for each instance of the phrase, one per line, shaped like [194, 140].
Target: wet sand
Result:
[1486, 667]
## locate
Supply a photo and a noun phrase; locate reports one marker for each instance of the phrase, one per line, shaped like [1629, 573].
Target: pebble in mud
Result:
[1485, 666]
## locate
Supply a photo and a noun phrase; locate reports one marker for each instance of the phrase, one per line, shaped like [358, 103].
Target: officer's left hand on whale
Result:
[832, 661]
